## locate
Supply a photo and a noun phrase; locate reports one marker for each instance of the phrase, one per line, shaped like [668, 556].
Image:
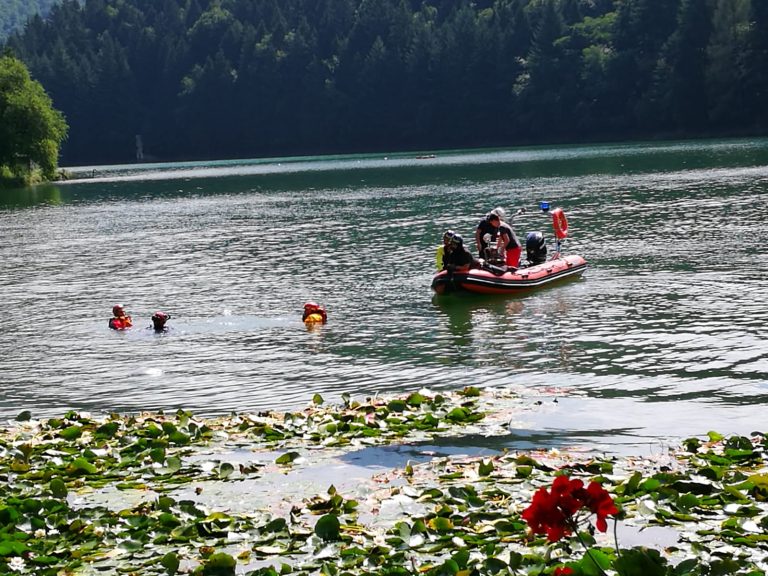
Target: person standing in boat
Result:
[457, 258]
[486, 235]
[510, 244]
[120, 320]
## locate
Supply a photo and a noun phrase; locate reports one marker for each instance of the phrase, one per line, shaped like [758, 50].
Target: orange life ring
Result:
[560, 223]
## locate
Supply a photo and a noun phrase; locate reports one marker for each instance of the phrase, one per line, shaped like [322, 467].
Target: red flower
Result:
[552, 512]
[562, 570]
[601, 504]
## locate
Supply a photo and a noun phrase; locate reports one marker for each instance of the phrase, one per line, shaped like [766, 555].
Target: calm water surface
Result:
[664, 336]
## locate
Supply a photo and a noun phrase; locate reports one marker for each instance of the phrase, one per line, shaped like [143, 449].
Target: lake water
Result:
[664, 336]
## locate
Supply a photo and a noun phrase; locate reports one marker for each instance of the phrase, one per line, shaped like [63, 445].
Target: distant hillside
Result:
[181, 79]
[15, 13]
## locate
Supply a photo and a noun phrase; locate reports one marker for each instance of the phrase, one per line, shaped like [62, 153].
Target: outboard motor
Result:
[535, 248]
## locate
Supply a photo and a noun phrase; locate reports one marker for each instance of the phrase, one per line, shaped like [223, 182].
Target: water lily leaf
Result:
[493, 565]
[276, 525]
[461, 558]
[81, 466]
[440, 524]
[107, 430]
[485, 467]
[58, 488]
[636, 562]
[271, 550]
[71, 432]
[12, 547]
[157, 455]
[170, 562]
[287, 458]
[688, 566]
[24, 416]
[458, 414]
[225, 470]
[416, 399]
[220, 564]
[758, 486]
[523, 471]
[687, 501]
[317, 399]
[179, 438]
[328, 527]
[131, 545]
[153, 430]
[397, 406]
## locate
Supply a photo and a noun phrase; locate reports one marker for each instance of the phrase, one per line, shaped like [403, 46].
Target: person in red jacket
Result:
[314, 314]
[120, 320]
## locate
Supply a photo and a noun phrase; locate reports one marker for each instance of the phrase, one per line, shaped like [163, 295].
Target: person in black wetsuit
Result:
[457, 258]
[158, 322]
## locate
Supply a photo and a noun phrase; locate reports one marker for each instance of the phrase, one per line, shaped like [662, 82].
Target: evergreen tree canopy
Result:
[238, 78]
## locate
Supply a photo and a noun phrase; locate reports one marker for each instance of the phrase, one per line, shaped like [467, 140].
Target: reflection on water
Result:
[662, 337]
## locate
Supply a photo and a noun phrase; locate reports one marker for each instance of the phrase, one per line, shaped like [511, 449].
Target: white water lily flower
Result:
[16, 564]
[39, 533]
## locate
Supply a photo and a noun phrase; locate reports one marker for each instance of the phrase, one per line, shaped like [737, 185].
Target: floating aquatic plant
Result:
[87, 495]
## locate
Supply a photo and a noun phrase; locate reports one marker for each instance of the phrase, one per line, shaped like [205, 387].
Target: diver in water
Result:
[314, 314]
[158, 322]
[120, 320]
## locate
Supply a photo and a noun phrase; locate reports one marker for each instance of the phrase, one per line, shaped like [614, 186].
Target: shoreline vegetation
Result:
[172, 493]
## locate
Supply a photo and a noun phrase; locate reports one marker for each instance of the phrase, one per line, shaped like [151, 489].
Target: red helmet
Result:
[161, 316]
[311, 306]
[117, 310]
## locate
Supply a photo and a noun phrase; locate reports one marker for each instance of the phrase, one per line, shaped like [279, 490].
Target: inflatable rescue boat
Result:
[538, 270]
[485, 281]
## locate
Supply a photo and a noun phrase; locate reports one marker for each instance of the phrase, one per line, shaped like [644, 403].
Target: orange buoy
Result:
[560, 223]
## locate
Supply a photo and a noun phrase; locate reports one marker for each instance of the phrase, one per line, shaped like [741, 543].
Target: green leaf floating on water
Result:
[58, 488]
[225, 470]
[24, 416]
[219, 564]
[171, 563]
[71, 432]
[81, 466]
[328, 527]
[169, 489]
[287, 458]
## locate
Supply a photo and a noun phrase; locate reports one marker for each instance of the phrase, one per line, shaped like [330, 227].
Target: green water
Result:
[663, 337]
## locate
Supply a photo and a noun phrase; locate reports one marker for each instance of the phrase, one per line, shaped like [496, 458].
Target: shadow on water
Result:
[523, 439]
[44, 194]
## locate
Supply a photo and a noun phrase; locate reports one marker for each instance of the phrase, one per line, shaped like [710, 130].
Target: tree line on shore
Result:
[244, 78]
[15, 13]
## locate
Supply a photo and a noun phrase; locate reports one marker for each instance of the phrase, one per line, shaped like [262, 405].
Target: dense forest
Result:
[244, 78]
[15, 13]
